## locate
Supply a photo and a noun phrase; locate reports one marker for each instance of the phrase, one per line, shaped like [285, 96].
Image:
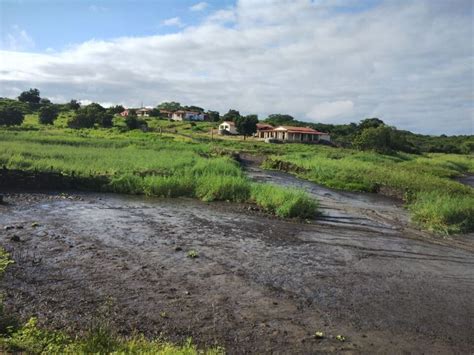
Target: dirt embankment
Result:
[259, 285]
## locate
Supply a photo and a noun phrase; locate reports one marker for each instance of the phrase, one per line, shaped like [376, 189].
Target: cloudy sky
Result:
[408, 62]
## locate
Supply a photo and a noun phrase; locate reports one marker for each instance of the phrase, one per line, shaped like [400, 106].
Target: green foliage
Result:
[213, 116]
[116, 109]
[10, 116]
[370, 123]
[73, 105]
[444, 213]
[31, 96]
[141, 164]
[88, 116]
[133, 122]
[403, 175]
[246, 125]
[284, 202]
[100, 340]
[382, 139]
[170, 106]
[231, 115]
[47, 114]
[278, 119]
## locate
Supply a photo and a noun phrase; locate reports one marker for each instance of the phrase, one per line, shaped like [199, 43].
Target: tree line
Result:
[368, 134]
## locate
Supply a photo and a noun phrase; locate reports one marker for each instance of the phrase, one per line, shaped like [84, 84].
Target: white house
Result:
[143, 112]
[227, 127]
[294, 134]
[188, 116]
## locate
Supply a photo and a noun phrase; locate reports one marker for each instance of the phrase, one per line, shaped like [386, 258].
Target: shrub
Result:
[81, 120]
[47, 114]
[10, 116]
[444, 213]
[284, 202]
[169, 186]
[89, 115]
[222, 188]
[133, 122]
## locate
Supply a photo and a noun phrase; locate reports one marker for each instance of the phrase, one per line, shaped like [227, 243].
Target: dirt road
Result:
[259, 285]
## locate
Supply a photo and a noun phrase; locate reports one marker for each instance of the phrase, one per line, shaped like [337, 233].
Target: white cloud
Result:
[408, 63]
[200, 6]
[327, 110]
[17, 39]
[174, 21]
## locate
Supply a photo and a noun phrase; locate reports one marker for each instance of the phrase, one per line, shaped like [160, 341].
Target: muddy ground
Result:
[259, 285]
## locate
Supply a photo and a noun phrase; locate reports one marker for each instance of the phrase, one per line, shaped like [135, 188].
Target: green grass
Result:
[284, 202]
[425, 182]
[132, 162]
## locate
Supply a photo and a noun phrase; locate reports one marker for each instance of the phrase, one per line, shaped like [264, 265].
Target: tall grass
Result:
[436, 201]
[155, 166]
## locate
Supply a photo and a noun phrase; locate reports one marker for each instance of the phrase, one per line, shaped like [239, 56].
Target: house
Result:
[166, 113]
[294, 134]
[182, 115]
[262, 128]
[143, 112]
[227, 127]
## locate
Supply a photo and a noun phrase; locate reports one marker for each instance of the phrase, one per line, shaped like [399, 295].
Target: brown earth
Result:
[259, 285]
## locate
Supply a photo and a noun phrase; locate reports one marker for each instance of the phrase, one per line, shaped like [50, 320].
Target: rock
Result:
[8, 227]
[178, 249]
[15, 238]
[35, 224]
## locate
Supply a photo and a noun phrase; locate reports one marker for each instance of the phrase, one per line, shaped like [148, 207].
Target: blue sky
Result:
[335, 61]
[57, 24]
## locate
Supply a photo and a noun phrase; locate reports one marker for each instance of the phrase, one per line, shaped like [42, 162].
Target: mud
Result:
[259, 285]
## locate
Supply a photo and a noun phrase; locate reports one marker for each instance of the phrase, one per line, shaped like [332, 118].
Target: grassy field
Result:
[425, 182]
[156, 164]
[184, 159]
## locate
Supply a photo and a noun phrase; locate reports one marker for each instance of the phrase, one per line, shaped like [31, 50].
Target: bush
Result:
[444, 213]
[284, 202]
[81, 120]
[47, 114]
[222, 188]
[89, 115]
[169, 186]
[10, 116]
[133, 122]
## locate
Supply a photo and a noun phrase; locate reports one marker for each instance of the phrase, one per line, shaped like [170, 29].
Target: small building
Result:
[182, 115]
[227, 127]
[143, 112]
[124, 113]
[262, 128]
[166, 113]
[294, 134]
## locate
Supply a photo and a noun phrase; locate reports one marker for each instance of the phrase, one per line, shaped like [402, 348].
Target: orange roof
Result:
[264, 126]
[294, 129]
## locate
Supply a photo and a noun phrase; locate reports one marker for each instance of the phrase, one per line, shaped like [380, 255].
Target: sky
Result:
[407, 62]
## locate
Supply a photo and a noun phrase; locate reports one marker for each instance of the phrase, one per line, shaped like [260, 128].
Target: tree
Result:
[31, 96]
[116, 109]
[170, 106]
[370, 123]
[74, 105]
[374, 138]
[133, 122]
[89, 115]
[278, 119]
[47, 114]
[45, 101]
[213, 116]
[10, 116]
[246, 125]
[193, 108]
[155, 112]
[231, 115]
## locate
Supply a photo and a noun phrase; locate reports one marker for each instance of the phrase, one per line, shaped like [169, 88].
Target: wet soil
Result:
[259, 285]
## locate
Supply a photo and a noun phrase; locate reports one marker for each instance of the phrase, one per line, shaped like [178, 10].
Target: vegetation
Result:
[47, 114]
[10, 116]
[246, 125]
[435, 200]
